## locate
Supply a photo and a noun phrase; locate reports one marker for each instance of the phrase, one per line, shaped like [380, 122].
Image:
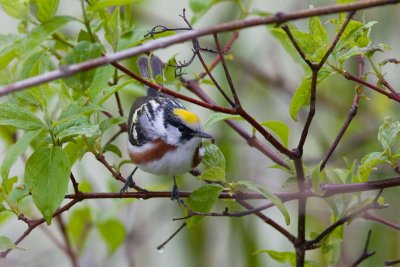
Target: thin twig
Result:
[365, 255]
[217, 59]
[350, 116]
[374, 205]
[351, 77]
[74, 183]
[194, 87]
[368, 216]
[163, 244]
[227, 74]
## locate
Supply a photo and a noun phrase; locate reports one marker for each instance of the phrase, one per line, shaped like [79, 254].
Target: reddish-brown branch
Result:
[351, 77]
[371, 217]
[171, 92]
[32, 224]
[194, 87]
[279, 18]
[217, 59]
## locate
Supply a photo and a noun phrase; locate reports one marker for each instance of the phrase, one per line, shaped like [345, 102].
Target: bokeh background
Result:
[265, 77]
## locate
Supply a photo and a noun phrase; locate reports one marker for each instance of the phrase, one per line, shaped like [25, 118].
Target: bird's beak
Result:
[202, 134]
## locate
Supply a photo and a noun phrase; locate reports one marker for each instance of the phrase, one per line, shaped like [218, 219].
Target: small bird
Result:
[164, 138]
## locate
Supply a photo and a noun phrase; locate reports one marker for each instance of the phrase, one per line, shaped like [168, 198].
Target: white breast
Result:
[174, 162]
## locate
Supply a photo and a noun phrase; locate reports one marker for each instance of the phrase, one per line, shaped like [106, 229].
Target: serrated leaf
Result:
[274, 199]
[40, 33]
[113, 233]
[6, 243]
[280, 129]
[83, 51]
[388, 133]
[213, 174]
[213, 157]
[202, 200]
[317, 30]
[14, 152]
[46, 9]
[87, 130]
[302, 93]
[19, 117]
[369, 163]
[47, 174]
[217, 116]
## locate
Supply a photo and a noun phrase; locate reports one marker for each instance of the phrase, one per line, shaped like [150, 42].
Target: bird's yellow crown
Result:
[186, 116]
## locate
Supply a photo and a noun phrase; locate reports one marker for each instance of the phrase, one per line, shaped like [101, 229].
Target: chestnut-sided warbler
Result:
[164, 137]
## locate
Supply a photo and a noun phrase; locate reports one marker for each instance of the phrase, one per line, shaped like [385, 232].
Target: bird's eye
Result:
[181, 128]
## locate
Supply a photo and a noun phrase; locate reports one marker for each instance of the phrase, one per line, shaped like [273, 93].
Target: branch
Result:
[32, 224]
[194, 87]
[365, 255]
[374, 205]
[350, 116]
[66, 71]
[171, 92]
[351, 77]
[227, 74]
[368, 216]
[301, 210]
[70, 252]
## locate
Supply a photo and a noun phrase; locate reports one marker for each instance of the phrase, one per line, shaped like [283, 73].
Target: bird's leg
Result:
[129, 182]
[175, 192]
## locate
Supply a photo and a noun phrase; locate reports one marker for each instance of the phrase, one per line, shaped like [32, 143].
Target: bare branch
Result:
[365, 255]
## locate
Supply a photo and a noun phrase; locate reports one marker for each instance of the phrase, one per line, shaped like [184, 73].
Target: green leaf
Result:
[19, 117]
[213, 174]
[18, 9]
[217, 116]
[6, 243]
[388, 133]
[46, 9]
[213, 156]
[113, 233]
[47, 174]
[100, 80]
[78, 108]
[82, 129]
[331, 247]
[7, 55]
[107, 123]
[40, 34]
[14, 152]
[109, 3]
[200, 7]
[317, 31]
[110, 91]
[302, 93]
[280, 129]
[83, 51]
[112, 28]
[78, 224]
[274, 199]
[202, 200]
[368, 163]
[114, 149]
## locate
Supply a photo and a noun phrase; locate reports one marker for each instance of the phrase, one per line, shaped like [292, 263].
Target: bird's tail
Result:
[156, 68]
